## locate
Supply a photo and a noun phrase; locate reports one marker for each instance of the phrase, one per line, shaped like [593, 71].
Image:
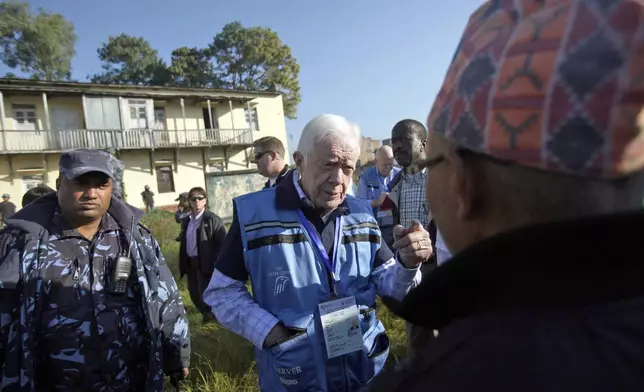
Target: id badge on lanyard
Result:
[318, 247]
[339, 317]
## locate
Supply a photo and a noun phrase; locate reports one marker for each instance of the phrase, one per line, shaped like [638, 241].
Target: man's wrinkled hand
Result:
[413, 244]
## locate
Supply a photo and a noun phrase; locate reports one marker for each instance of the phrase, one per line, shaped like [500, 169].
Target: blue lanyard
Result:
[317, 241]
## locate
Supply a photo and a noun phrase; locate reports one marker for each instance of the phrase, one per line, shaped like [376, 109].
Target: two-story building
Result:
[368, 148]
[169, 138]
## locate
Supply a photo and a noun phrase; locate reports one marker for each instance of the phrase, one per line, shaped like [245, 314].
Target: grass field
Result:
[221, 360]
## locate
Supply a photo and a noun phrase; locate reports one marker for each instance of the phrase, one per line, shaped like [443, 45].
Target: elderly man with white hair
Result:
[316, 262]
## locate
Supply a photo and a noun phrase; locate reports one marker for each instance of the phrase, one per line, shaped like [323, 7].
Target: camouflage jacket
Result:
[21, 282]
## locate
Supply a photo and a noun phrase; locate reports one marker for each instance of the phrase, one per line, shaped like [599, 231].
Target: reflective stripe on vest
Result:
[290, 282]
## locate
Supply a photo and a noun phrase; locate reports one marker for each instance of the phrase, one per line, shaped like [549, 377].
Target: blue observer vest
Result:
[375, 186]
[289, 281]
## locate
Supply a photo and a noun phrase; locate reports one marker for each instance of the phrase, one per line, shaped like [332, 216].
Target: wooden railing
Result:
[57, 140]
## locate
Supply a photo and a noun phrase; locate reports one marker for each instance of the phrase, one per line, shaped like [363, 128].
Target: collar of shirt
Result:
[296, 183]
[417, 178]
[199, 215]
[61, 228]
[386, 179]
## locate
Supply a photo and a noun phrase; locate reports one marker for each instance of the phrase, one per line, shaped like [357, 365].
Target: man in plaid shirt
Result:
[407, 192]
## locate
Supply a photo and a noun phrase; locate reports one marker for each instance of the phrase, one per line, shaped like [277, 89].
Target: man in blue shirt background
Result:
[374, 186]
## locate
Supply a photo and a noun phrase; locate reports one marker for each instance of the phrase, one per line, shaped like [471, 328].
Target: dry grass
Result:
[221, 360]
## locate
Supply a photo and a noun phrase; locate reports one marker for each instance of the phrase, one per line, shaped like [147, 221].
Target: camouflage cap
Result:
[78, 162]
[555, 85]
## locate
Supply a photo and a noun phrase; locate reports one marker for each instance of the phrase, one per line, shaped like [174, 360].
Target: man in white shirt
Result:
[202, 235]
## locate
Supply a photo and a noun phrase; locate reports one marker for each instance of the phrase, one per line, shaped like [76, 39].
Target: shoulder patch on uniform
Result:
[144, 227]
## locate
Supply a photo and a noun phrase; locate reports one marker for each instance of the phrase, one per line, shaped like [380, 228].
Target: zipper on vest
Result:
[76, 269]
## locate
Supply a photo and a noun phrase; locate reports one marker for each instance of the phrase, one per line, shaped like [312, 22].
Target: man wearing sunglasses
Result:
[269, 157]
[202, 235]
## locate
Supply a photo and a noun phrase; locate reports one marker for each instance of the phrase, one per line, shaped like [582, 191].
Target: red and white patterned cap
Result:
[555, 85]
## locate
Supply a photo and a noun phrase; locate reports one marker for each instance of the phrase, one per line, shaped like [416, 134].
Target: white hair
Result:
[329, 126]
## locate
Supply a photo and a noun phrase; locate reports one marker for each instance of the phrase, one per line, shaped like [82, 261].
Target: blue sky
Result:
[374, 62]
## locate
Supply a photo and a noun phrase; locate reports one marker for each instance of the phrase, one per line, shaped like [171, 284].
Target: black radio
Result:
[123, 268]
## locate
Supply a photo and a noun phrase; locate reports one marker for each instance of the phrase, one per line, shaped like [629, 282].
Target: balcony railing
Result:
[57, 140]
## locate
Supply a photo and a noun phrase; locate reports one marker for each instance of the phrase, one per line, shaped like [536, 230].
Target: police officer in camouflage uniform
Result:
[63, 325]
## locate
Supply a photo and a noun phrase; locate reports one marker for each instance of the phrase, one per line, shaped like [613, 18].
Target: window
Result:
[29, 182]
[159, 118]
[25, 117]
[165, 179]
[206, 119]
[138, 115]
[251, 118]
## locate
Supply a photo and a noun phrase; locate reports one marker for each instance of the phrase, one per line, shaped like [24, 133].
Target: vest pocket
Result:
[293, 362]
[376, 343]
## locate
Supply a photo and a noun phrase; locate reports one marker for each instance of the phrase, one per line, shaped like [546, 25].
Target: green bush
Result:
[221, 360]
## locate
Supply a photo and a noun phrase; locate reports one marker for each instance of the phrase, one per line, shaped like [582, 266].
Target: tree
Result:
[191, 67]
[42, 45]
[255, 58]
[130, 60]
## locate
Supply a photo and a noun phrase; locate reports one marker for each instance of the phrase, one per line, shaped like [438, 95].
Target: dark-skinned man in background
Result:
[83, 326]
[407, 192]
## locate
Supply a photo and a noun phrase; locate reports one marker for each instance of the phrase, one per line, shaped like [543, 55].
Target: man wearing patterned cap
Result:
[535, 179]
[87, 302]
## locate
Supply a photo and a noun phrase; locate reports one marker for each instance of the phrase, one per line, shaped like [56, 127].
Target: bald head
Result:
[384, 160]
[385, 152]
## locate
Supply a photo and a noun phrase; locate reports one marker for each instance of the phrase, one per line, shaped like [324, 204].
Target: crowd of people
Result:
[510, 250]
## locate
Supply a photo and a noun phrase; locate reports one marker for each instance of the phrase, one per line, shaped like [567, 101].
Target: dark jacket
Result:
[210, 234]
[279, 178]
[552, 307]
[7, 209]
[148, 198]
[23, 255]
[180, 215]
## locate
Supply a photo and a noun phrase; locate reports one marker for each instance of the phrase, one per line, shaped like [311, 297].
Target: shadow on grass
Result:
[221, 360]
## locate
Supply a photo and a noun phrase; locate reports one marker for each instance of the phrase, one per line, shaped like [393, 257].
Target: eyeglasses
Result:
[425, 164]
[429, 163]
[260, 155]
[197, 198]
[465, 153]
